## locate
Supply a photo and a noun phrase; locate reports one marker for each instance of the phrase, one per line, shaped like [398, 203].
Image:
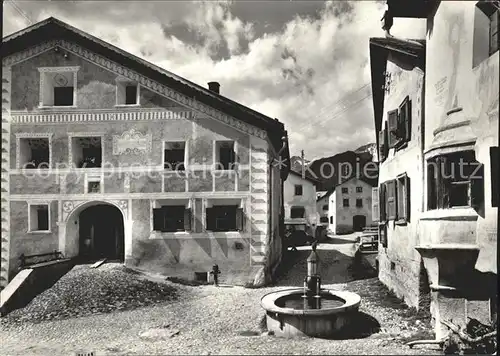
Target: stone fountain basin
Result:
[324, 323]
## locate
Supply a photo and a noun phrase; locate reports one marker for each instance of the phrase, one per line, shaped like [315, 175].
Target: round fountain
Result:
[311, 310]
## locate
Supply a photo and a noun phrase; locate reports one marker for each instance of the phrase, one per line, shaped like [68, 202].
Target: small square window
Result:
[297, 212]
[127, 92]
[34, 153]
[63, 96]
[94, 187]
[345, 203]
[325, 207]
[298, 189]
[359, 189]
[39, 219]
[345, 190]
[86, 151]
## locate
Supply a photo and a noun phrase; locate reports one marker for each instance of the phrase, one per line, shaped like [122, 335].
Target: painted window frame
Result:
[92, 178]
[124, 82]
[72, 135]
[215, 154]
[186, 153]
[40, 203]
[28, 135]
[43, 74]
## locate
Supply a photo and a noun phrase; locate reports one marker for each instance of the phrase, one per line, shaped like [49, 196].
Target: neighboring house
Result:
[300, 201]
[349, 206]
[135, 164]
[439, 158]
[322, 208]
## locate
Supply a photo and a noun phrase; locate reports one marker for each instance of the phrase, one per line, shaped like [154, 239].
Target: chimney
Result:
[214, 86]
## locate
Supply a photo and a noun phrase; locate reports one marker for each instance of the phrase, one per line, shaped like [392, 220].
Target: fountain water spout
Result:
[312, 282]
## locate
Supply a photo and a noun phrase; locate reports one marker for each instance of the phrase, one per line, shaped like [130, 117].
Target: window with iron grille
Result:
[359, 189]
[455, 180]
[345, 190]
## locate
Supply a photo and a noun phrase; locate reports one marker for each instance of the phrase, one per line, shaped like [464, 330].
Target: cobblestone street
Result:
[206, 319]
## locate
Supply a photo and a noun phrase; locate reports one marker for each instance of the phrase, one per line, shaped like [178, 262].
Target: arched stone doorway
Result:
[91, 230]
[101, 233]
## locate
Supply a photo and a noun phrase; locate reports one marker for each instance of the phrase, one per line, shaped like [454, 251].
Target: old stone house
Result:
[349, 206]
[436, 117]
[299, 202]
[105, 155]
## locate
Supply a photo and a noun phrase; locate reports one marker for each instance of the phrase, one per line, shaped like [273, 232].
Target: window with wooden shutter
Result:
[494, 159]
[375, 205]
[158, 221]
[240, 221]
[403, 198]
[381, 145]
[391, 206]
[392, 122]
[404, 121]
[382, 202]
[477, 186]
[187, 219]
[382, 234]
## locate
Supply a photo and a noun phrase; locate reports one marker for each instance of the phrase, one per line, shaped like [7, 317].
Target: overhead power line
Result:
[20, 11]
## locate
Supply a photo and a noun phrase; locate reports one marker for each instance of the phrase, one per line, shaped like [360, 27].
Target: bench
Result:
[30, 260]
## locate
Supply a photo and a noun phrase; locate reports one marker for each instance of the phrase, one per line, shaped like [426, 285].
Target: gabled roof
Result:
[410, 53]
[331, 190]
[306, 176]
[54, 29]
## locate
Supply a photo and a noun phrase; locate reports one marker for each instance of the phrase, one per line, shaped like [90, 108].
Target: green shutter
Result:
[407, 136]
[382, 202]
[408, 199]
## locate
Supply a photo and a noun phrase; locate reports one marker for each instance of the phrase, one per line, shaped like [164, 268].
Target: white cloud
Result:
[296, 75]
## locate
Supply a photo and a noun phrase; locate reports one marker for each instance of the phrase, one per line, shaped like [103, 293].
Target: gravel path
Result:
[210, 320]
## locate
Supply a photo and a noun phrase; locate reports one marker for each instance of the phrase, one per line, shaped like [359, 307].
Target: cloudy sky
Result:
[303, 62]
